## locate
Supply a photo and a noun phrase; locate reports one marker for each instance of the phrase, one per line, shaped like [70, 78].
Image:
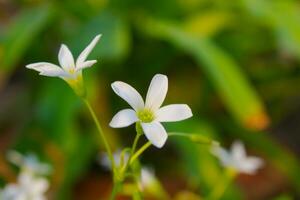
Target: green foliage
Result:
[241, 99]
[283, 17]
[115, 41]
[24, 29]
[235, 63]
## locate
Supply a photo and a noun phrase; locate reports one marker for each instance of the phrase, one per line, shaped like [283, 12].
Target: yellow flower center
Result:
[146, 115]
[72, 71]
[77, 84]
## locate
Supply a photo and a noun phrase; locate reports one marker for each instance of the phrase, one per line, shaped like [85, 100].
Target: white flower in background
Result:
[147, 174]
[147, 177]
[69, 71]
[105, 162]
[237, 159]
[150, 113]
[30, 185]
[29, 163]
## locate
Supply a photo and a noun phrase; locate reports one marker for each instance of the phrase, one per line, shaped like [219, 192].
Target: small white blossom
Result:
[30, 185]
[147, 177]
[28, 162]
[237, 159]
[150, 113]
[105, 162]
[69, 71]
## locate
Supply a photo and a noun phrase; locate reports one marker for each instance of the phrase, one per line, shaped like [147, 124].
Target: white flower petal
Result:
[238, 151]
[15, 157]
[86, 64]
[84, 54]
[11, 191]
[147, 177]
[40, 197]
[123, 118]
[120, 157]
[39, 186]
[237, 158]
[129, 94]
[65, 58]
[47, 69]
[251, 165]
[155, 133]
[223, 155]
[172, 113]
[157, 91]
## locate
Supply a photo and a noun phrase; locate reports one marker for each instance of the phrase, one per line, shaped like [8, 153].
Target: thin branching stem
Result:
[139, 152]
[115, 190]
[134, 145]
[102, 135]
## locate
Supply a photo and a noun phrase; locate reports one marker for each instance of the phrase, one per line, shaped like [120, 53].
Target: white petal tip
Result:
[189, 112]
[160, 75]
[112, 125]
[159, 144]
[63, 46]
[97, 38]
[115, 85]
[32, 66]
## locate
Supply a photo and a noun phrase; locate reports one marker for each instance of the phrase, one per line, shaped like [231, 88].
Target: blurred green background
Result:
[235, 63]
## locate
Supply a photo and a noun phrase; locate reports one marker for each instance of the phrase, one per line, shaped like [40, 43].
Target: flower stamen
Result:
[72, 71]
[146, 115]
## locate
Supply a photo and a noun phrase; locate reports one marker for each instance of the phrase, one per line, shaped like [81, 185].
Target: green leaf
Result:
[283, 17]
[207, 24]
[114, 43]
[23, 30]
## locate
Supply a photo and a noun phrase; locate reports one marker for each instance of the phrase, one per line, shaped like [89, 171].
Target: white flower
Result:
[149, 114]
[28, 187]
[69, 71]
[28, 162]
[237, 159]
[147, 177]
[105, 162]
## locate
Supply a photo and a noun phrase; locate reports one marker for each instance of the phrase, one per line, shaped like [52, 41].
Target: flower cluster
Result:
[148, 116]
[30, 185]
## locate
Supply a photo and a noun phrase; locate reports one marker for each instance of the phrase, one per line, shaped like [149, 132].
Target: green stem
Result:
[135, 142]
[115, 190]
[221, 187]
[137, 195]
[102, 135]
[139, 152]
[200, 139]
